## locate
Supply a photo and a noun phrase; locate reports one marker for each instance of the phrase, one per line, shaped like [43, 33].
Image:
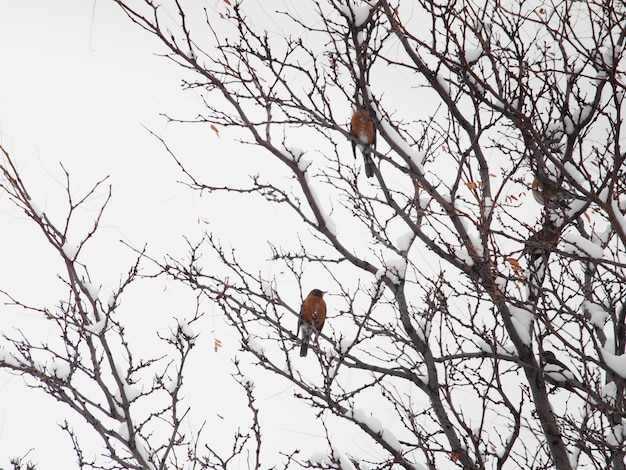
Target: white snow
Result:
[8, 359]
[569, 125]
[396, 269]
[472, 55]
[414, 155]
[618, 216]
[615, 363]
[597, 313]
[391, 439]
[35, 208]
[319, 458]
[69, 250]
[581, 114]
[96, 328]
[330, 225]
[90, 289]
[554, 127]
[255, 346]
[143, 450]
[464, 256]
[608, 55]
[131, 392]
[371, 422]
[60, 369]
[573, 173]
[605, 194]
[609, 345]
[500, 283]
[580, 246]
[476, 84]
[522, 321]
[295, 152]
[187, 331]
[268, 289]
[404, 242]
[361, 12]
[123, 430]
[573, 458]
[418, 157]
[602, 237]
[304, 164]
[111, 301]
[360, 463]
[475, 239]
[344, 463]
[444, 82]
[171, 387]
[615, 435]
[488, 207]
[423, 330]
[296, 156]
[609, 392]
[575, 207]
[344, 345]
[424, 201]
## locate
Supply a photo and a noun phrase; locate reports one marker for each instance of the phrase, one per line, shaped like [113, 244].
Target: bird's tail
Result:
[566, 196]
[537, 266]
[367, 162]
[538, 250]
[306, 336]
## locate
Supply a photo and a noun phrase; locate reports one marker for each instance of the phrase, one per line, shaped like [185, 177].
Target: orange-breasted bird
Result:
[547, 193]
[312, 317]
[362, 128]
[538, 248]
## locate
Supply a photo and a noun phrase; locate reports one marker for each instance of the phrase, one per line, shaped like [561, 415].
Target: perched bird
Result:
[312, 317]
[362, 128]
[547, 192]
[556, 372]
[538, 248]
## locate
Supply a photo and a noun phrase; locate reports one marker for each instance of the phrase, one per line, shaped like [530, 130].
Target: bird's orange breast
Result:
[314, 311]
[363, 127]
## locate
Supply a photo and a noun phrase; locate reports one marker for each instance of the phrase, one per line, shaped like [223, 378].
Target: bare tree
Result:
[465, 289]
[90, 364]
[503, 315]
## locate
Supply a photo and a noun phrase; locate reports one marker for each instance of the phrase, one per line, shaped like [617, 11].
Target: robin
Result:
[547, 193]
[538, 248]
[556, 372]
[362, 128]
[312, 316]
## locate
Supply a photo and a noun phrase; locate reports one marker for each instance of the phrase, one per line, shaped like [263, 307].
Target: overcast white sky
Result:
[79, 85]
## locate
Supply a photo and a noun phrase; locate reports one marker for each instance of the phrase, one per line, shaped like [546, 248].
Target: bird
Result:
[557, 373]
[546, 192]
[538, 248]
[362, 128]
[312, 317]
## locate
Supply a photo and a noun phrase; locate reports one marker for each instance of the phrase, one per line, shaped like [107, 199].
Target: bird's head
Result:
[317, 293]
[548, 357]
